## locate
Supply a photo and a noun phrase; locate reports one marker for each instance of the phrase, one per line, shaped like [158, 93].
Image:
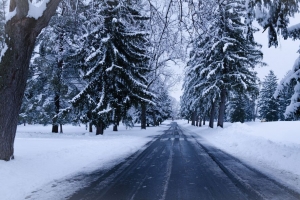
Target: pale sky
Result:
[280, 59]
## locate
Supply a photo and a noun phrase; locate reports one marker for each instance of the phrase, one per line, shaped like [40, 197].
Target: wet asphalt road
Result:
[180, 165]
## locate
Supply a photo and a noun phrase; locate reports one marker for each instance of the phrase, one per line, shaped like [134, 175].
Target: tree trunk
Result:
[193, 118]
[90, 127]
[115, 127]
[57, 89]
[212, 114]
[54, 121]
[154, 119]
[200, 121]
[21, 32]
[204, 118]
[61, 129]
[222, 108]
[197, 120]
[99, 129]
[143, 115]
[116, 120]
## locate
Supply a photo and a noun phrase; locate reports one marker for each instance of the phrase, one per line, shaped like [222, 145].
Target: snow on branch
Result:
[226, 45]
[36, 10]
[294, 31]
[10, 15]
[3, 51]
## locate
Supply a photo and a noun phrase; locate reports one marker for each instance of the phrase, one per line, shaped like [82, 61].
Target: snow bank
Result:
[271, 147]
[41, 156]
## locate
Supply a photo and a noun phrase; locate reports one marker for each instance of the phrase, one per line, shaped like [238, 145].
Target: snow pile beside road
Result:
[271, 147]
[41, 156]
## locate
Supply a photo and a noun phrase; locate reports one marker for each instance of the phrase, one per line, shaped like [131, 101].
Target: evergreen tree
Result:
[53, 79]
[241, 107]
[288, 92]
[223, 57]
[116, 64]
[268, 105]
[273, 16]
[238, 113]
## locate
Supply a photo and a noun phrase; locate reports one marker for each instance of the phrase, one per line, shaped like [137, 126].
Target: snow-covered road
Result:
[43, 157]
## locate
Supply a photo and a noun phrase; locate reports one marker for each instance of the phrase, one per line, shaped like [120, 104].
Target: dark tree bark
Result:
[21, 32]
[212, 114]
[115, 127]
[115, 120]
[197, 120]
[90, 127]
[154, 120]
[143, 115]
[200, 121]
[57, 88]
[99, 129]
[222, 108]
[204, 120]
[60, 128]
[54, 121]
[193, 118]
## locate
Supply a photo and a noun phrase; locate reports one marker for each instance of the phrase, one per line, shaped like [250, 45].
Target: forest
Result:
[105, 62]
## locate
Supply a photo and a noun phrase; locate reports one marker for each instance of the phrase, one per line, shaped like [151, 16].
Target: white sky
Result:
[280, 59]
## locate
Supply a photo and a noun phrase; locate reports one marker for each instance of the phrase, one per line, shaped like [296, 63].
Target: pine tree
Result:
[53, 79]
[268, 105]
[223, 58]
[115, 65]
[292, 95]
[237, 108]
[273, 16]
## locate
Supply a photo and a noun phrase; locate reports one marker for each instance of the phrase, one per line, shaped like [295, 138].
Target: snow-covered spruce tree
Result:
[250, 107]
[284, 93]
[115, 65]
[161, 110]
[272, 16]
[224, 56]
[268, 105]
[53, 80]
[292, 111]
[185, 111]
[193, 104]
[237, 108]
[288, 93]
[241, 107]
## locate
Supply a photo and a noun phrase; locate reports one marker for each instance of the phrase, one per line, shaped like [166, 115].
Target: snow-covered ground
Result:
[42, 157]
[270, 147]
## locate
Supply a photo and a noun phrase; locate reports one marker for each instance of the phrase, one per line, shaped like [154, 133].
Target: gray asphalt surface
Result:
[180, 165]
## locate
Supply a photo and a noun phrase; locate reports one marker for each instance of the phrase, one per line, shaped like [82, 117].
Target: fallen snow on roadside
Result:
[271, 147]
[42, 156]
